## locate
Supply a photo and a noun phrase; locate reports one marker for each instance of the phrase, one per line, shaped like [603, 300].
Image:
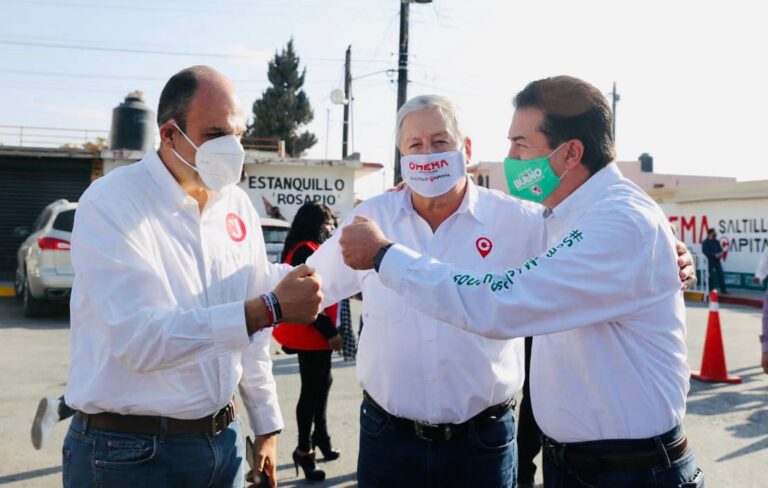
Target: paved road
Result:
[727, 424]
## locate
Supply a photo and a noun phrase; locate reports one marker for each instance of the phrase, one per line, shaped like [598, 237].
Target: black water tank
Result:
[133, 124]
[646, 163]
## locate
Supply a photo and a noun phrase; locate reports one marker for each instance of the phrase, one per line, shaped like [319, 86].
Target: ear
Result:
[468, 149]
[167, 131]
[574, 151]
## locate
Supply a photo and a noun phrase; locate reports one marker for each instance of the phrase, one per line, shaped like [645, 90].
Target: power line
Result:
[126, 77]
[162, 53]
[289, 12]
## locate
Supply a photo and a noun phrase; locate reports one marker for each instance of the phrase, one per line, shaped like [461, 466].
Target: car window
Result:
[65, 220]
[275, 234]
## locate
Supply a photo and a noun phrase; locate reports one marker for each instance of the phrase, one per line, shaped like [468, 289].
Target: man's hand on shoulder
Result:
[687, 266]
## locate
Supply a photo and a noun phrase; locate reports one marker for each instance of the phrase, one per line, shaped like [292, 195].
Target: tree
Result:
[284, 106]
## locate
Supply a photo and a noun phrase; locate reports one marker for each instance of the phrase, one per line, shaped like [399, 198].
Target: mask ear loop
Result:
[188, 140]
[187, 137]
[552, 153]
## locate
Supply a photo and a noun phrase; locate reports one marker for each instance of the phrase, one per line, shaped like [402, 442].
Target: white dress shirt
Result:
[412, 365]
[157, 309]
[762, 266]
[606, 291]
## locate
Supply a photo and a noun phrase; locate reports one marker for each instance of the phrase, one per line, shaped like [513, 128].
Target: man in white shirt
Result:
[760, 275]
[437, 406]
[610, 377]
[172, 291]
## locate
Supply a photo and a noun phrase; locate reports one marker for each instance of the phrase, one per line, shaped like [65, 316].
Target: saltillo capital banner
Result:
[741, 226]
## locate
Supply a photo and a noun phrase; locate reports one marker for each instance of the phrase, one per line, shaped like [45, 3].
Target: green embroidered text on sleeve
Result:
[498, 282]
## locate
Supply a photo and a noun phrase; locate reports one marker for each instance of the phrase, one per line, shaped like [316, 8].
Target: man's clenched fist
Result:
[360, 241]
[298, 294]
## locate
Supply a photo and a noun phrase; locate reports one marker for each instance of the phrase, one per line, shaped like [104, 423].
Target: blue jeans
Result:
[682, 473]
[392, 457]
[100, 458]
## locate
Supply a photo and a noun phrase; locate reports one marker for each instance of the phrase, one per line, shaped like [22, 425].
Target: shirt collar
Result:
[170, 191]
[574, 205]
[471, 203]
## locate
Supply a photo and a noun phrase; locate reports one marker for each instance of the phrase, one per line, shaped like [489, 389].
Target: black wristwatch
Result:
[379, 256]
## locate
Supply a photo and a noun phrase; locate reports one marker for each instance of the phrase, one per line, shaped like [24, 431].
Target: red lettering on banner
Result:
[688, 224]
[725, 244]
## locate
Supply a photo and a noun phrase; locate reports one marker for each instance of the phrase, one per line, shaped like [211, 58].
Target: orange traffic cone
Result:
[713, 367]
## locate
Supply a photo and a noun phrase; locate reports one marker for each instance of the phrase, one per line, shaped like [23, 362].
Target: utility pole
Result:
[347, 90]
[402, 75]
[402, 70]
[327, 125]
[614, 98]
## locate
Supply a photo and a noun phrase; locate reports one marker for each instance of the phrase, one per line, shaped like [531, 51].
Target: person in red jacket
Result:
[314, 343]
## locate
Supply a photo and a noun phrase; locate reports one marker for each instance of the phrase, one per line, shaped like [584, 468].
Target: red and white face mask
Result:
[432, 175]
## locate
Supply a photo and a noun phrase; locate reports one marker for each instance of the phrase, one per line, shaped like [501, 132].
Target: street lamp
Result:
[337, 98]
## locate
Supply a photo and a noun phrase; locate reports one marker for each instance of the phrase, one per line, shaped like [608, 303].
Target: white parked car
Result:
[44, 268]
[275, 231]
[44, 271]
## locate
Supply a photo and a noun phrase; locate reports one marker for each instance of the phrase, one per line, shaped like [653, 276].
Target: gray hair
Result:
[444, 106]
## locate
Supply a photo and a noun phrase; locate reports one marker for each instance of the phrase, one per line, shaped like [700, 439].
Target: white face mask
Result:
[432, 175]
[219, 162]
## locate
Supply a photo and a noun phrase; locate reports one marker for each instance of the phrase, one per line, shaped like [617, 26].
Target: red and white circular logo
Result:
[235, 227]
[484, 246]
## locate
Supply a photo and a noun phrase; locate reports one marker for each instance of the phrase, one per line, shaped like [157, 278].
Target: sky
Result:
[690, 75]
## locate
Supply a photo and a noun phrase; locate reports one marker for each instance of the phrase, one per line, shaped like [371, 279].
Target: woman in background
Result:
[314, 343]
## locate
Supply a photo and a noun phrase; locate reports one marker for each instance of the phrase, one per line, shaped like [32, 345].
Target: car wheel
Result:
[33, 307]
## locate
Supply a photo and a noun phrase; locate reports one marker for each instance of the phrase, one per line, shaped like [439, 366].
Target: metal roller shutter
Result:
[27, 185]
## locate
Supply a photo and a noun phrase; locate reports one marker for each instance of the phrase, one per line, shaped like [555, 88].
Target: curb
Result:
[7, 291]
[749, 302]
[696, 296]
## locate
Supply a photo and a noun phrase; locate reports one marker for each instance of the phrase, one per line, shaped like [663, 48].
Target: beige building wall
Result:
[648, 181]
[491, 175]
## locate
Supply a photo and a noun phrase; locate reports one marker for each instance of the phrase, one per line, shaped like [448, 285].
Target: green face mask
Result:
[531, 179]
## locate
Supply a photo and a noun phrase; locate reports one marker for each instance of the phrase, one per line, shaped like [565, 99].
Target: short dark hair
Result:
[573, 109]
[178, 93]
[711, 231]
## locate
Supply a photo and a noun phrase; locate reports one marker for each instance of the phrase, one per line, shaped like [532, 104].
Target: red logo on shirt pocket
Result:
[235, 227]
[484, 246]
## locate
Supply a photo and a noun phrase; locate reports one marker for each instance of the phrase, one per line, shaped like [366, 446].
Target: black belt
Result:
[156, 425]
[444, 432]
[649, 453]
